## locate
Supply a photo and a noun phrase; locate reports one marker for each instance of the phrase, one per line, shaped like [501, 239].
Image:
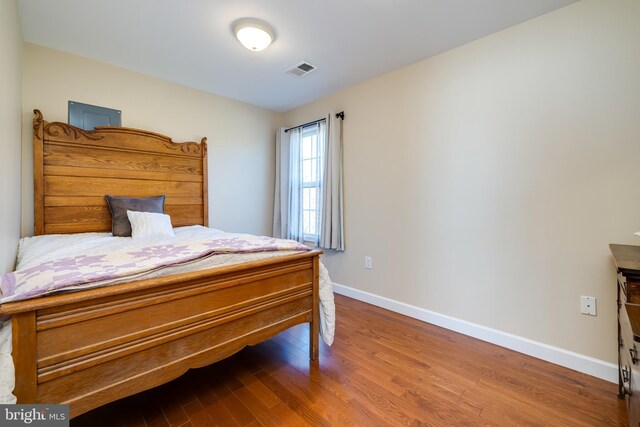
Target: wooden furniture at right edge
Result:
[627, 260]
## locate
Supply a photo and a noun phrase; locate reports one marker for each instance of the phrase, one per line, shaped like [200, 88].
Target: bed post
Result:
[314, 327]
[38, 174]
[23, 331]
[205, 183]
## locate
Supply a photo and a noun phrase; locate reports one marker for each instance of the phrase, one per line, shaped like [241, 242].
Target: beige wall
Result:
[10, 108]
[240, 136]
[487, 182]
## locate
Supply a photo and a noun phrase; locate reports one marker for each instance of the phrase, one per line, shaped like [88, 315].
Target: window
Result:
[312, 161]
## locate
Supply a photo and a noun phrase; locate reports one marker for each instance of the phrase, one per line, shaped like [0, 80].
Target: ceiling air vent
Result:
[301, 69]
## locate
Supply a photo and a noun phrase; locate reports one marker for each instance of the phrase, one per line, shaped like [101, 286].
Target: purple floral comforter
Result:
[75, 271]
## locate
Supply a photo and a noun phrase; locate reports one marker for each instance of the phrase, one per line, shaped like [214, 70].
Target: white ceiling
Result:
[190, 41]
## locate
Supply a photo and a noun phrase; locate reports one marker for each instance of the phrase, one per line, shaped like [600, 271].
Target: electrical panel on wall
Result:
[87, 117]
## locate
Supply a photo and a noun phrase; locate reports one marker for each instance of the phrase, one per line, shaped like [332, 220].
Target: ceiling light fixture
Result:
[254, 34]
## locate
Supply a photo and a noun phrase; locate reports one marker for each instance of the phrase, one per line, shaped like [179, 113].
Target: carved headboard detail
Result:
[73, 169]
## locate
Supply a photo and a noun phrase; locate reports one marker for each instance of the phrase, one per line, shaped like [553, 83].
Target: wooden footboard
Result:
[92, 347]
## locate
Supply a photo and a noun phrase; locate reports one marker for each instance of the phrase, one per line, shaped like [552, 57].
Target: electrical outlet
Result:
[588, 305]
[368, 263]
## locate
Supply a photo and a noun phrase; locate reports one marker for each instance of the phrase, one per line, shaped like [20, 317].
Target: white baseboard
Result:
[576, 361]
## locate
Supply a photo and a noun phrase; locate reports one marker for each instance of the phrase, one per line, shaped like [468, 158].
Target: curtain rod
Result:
[305, 125]
[339, 115]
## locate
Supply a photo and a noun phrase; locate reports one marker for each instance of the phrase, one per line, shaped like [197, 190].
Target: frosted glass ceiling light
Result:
[254, 34]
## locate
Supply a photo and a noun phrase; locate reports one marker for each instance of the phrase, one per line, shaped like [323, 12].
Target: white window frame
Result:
[317, 184]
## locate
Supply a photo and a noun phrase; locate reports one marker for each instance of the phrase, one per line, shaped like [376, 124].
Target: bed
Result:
[94, 346]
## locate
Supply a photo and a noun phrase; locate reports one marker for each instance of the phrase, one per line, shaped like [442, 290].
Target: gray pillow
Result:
[120, 225]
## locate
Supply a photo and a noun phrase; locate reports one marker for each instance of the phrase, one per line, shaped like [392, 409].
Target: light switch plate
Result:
[368, 262]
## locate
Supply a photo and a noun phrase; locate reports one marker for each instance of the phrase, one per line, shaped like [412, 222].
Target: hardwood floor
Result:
[383, 369]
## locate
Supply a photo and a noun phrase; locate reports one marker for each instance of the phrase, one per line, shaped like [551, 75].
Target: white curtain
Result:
[294, 230]
[287, 206]
[331, 225]
[280, 203]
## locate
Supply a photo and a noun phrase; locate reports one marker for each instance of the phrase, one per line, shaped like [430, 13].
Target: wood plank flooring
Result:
[383, 369]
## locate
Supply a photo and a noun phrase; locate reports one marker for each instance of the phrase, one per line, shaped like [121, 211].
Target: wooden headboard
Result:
[73, 169]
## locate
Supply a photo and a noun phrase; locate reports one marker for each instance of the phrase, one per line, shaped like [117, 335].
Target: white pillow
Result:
[149, 224]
